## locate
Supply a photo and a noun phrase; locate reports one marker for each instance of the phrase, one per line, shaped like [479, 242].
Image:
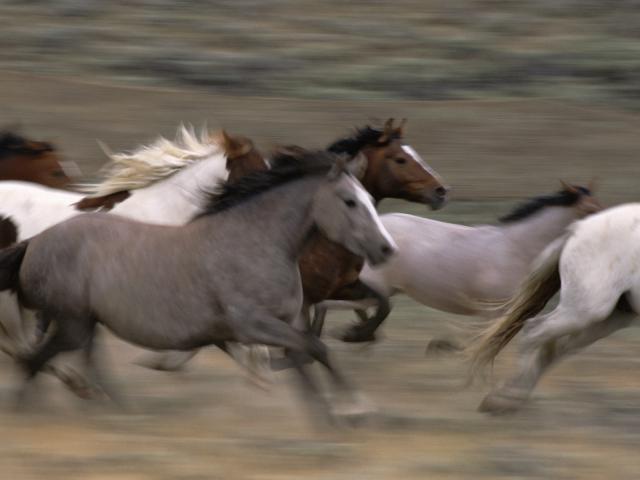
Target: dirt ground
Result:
[208, 422]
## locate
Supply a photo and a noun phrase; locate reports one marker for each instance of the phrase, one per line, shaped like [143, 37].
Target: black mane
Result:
[285, 167]
[563, 198]
[362, 137]
[12, 143]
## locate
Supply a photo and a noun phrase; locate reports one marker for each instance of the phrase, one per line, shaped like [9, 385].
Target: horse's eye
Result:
[400, 160]
[58, 173]
[350, 203]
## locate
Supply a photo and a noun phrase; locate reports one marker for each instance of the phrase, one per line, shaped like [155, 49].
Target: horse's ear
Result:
[234, 146]
[357, 166]
[567, 187]
[401, 127]
[338, 168]
[387, 131]
[225, 140]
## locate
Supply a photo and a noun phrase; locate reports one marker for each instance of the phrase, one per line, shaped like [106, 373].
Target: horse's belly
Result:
[168, 334]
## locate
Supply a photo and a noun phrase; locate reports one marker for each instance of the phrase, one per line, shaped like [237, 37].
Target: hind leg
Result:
[541, 337]
[69, 335]
[15, 341]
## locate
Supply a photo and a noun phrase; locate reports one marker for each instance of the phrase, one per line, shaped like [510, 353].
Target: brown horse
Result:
[31, 161]
[391, 170]
[242, 158]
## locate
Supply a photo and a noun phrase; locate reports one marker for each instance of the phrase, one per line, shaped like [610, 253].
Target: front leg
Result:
[364, 331]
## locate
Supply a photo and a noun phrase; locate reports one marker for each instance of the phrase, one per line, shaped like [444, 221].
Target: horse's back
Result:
[604, 249]
[33, 207]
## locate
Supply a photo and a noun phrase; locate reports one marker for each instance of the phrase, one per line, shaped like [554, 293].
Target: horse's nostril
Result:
[386, 250]
[441, 191]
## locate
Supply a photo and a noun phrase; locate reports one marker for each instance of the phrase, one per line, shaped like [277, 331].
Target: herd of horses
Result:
[204, 240]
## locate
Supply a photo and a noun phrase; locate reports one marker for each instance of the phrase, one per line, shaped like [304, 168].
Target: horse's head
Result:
[394, 169]
[583, 200]
[242, 156]
[31, 161]
[344, 211]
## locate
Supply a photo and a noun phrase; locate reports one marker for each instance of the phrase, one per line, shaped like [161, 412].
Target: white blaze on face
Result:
[413, 154]
[367, 201]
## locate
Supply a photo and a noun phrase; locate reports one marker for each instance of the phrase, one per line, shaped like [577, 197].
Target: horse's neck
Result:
[532, 234]
[280, 217]
[178, 198]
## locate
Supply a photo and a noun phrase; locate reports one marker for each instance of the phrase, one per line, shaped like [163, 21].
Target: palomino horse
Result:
[595, 268]
[465, 269]
[33, 161]
[235, 277]
[165, 183]
[390, 169]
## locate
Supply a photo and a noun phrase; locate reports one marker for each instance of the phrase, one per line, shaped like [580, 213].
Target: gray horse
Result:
[229, 275]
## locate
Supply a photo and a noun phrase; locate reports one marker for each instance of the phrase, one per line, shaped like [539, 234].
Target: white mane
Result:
[150, 163]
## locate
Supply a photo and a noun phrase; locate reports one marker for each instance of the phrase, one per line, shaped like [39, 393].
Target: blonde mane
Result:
[151, 163]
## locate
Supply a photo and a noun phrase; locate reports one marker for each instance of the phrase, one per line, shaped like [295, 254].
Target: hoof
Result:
[357, 335]
[501, 403]
[441, 347]
[355, 412]
[76, 383]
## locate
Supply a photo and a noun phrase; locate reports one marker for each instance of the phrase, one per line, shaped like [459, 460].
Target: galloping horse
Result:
[33, 161]
[234, 279]
[165, 183]
[462, 269]
[389, 169]
[595, 268]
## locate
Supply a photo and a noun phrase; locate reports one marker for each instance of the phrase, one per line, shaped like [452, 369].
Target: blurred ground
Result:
[207, 423]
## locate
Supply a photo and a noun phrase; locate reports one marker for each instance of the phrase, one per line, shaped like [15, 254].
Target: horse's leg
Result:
[298, 345]
[319, 315]
[364, 331]
[96, 371]
[301, 324]
[356, 405]
[541, 337]
[69, 336]
[15, 341]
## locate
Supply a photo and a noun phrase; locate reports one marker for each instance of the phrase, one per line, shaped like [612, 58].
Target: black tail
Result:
[10, 262]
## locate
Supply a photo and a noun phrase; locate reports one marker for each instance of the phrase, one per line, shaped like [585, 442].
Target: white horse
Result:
[462, 269]
[167, 183]
[596, 267]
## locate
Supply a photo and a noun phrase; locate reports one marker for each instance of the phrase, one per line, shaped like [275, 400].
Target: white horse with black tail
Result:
[596, 268]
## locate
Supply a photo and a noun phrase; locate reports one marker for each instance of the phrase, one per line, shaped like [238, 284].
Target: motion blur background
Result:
[503, 99]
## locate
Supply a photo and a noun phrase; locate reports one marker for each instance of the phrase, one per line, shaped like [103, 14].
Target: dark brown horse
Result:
[31, 161]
